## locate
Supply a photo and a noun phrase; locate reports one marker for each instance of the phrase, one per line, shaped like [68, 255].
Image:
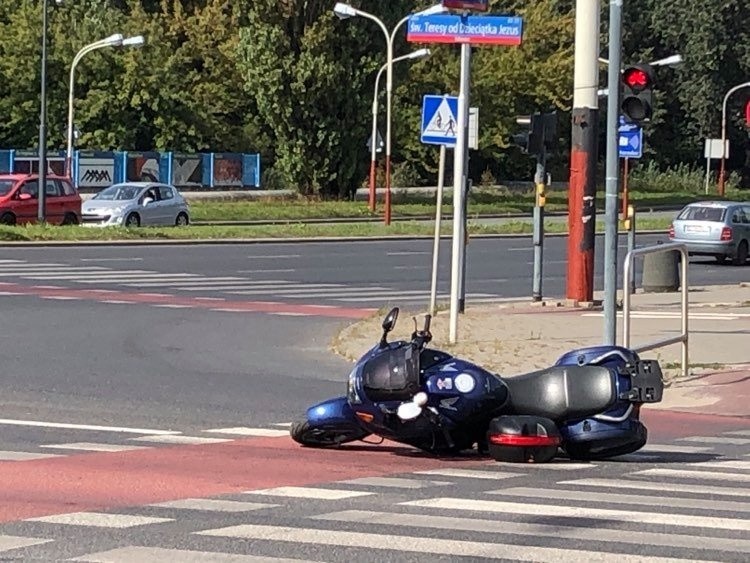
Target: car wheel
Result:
[8, 219]
[70, 219]
[133, 220]
[741, 257]
[182, 220]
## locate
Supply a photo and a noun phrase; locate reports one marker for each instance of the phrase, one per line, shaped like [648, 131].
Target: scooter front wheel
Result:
[323, 436]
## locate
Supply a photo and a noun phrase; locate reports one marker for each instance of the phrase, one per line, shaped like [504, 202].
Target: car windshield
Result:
[118, 193]
[6, 186]
[703, 213]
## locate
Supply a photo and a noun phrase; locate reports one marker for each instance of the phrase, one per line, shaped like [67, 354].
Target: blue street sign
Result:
[474, 30]
[439, 120]
[630, 140]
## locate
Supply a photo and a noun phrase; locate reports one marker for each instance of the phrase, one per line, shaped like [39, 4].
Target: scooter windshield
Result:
[392, 375]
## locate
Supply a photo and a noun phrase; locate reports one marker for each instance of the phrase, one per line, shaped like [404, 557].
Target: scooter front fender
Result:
[332, 411]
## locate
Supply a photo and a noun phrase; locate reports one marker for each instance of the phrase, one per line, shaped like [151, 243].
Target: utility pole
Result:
[583, 157]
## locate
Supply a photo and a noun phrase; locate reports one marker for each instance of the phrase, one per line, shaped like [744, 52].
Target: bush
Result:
[404, 175]
[681, 178]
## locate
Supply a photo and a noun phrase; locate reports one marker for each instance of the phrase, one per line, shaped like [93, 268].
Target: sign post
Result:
[465, 30]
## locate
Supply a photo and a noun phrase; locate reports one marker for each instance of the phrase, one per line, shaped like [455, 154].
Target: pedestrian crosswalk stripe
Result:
[100, 520]
[614, 484]
[640, 500]
[415, 544]
[196, 282]
[672, 449]
[17, 542]
[244, 431]
[214, 505]
[717, 440]
[394, 482]
[553, 511]
[139, 554]
[572, 533]
[738, 433]
[309, 493]
[91, 447]
[24, 456]
[688, 474]
[178, 439]
[745, 465]
[470, 473]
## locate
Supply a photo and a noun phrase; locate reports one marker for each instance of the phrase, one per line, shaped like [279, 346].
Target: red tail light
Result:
[671, 231]
[726, 233]
[509, 440]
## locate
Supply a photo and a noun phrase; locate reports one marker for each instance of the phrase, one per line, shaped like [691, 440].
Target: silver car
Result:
[135, 204]
[714, 228]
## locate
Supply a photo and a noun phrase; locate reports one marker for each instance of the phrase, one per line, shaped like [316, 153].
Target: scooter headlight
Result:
[351, 391]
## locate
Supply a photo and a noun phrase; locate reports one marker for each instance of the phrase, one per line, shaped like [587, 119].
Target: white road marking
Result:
[24, 456]
[422, 545]
[687, 474]
[111, 259]
[646, 486]
[738, 433]
[309, 493]
[94, 427]
[640, 500]
[244, 431]
[229, 310]
[394, 482]
[99, 520]
[398, 295]
[470, 473]
[118, 302]
[554, 511]
[194, 281]
[11, 293]
[743, 465]
[214, 505]
[274, 256]
[138, 554]
[92, 447]
[292, 314]
[717, 440]
[172, 306]
[178, 439]
[60, 297]
[673, 448]
[16, 542]
[409, 253]
[573, 533]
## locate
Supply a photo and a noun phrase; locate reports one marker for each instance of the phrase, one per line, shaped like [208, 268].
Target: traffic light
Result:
[637, 92]
[540, 134]
[747, 114]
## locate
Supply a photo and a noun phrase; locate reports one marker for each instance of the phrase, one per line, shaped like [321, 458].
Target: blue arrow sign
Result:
[474, 30]
[439, 120]
[630, 140]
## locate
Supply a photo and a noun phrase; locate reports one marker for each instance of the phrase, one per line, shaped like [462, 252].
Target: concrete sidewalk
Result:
[515, 338]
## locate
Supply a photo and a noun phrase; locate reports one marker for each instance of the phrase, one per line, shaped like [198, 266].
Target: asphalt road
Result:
[119, 396]
[353, 274]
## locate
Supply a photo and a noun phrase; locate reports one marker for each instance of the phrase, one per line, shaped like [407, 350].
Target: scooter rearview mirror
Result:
[389, 322]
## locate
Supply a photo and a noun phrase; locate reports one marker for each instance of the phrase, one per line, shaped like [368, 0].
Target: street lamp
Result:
[373, 148]
[724, 133]
[345, 11]
[115, 40]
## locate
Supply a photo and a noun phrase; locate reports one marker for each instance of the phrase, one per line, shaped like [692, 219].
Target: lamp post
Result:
[42, 187]
[724, 133]
[115, 40]
[373, 148]
[345, 11]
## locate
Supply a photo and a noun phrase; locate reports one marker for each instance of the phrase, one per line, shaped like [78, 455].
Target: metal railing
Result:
[628, 289]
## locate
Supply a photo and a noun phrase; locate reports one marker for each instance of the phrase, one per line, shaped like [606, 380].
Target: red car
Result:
[19, 200]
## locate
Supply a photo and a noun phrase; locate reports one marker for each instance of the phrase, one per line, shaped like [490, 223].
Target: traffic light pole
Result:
[612, 173]
[582, 192]
[540, 181]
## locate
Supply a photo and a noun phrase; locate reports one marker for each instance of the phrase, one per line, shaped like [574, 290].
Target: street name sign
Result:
[474, 30]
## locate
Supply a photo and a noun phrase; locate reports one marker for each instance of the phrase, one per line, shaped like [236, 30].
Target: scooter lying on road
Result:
[586, 406]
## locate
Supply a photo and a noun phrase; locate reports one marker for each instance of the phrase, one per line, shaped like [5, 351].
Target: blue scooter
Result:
[586, 406]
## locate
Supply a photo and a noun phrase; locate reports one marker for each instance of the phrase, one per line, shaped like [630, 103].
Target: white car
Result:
[136, 204]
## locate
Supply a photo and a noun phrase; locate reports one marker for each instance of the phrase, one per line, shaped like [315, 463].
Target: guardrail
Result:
[628, 280]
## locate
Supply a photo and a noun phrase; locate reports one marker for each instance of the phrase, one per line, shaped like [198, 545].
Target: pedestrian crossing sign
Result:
[439, 120]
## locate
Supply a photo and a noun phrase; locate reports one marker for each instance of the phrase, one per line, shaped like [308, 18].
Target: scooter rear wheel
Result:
[304, 433]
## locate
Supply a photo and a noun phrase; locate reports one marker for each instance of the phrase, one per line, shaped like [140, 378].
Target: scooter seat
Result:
[563, 392]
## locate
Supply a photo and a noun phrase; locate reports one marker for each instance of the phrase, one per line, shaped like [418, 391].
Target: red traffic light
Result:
[636, 78]
[747, 113]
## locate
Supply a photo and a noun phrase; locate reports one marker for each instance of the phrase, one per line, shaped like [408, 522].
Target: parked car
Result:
[19, 200]
[714, 228]
[135, 204]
